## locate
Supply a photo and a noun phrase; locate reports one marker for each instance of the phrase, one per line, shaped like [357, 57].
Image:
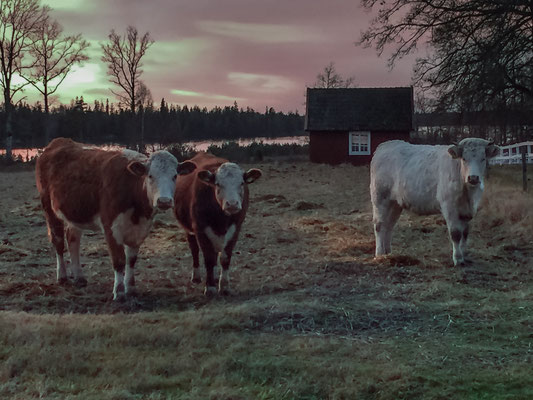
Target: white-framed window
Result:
[359, 143]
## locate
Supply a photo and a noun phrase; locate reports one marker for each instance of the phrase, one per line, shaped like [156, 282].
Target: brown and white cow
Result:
[211, 205]
[428, 180]
[86, 188]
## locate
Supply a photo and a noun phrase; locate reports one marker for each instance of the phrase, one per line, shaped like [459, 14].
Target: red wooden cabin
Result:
[346, 125]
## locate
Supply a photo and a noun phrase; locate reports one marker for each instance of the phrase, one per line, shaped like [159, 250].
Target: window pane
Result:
[360, 142]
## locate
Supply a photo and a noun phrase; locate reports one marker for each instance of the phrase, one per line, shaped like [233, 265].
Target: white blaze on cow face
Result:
[229, 180]
[161, 179]
[160, 172]
[473, 153]
[229, 187]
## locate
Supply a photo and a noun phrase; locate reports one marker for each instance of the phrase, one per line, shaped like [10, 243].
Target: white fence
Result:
[512, 154]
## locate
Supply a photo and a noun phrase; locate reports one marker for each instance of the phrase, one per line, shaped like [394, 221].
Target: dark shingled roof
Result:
[359, 109]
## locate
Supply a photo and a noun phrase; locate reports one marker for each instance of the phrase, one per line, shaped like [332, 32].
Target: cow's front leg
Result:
[225, 259]
[129, 277]
[193, 246]
[464, 238]
[118, 258]
[458, 232]
[74, 241]
[119, 262]
[385, 217]
[210, 260]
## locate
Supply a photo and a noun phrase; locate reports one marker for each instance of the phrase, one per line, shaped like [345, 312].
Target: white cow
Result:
[428, 180]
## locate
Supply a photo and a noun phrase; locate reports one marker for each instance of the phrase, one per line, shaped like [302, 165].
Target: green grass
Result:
[199, 356]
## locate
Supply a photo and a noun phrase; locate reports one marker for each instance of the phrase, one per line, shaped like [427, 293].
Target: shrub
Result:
[182, 151]
[257, 151]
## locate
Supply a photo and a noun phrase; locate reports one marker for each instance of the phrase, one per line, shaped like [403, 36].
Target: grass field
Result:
[312, 315]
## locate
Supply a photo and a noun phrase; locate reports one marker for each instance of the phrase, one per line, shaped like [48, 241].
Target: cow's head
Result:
[160, 172]
[228, 181]
[473, 153]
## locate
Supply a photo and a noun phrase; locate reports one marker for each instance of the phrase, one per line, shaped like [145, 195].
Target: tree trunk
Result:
[46, 115]
[9, 126]
[142, 129]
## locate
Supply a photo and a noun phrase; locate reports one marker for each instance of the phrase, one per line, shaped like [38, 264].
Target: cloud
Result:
[69, 4]
[178, 55]
[199, 95]
[261, 82]
[260, 32]
[99, 92]
[87, 73]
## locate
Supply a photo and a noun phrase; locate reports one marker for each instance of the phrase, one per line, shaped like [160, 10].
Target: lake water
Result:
[27, 154]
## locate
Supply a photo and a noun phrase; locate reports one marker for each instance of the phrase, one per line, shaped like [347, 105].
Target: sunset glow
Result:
[215, 53]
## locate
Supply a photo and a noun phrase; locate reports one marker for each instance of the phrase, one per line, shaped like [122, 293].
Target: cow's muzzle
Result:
[231, 208]
[473, 180]
[164, 203]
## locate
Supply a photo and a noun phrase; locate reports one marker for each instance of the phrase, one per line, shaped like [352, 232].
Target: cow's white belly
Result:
[94, 225]
[126, 232]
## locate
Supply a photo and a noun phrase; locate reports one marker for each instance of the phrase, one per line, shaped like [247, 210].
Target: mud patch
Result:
[306, 205]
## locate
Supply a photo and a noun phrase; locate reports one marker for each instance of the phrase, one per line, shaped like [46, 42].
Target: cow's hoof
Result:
[210, 291]
[62, 281]
[459, 263]
[224, 292]
[80, 282]
[119, 297]
[196, 277]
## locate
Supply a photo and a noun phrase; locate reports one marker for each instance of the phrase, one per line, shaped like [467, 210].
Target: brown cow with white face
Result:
[86, 188]
[211, 205]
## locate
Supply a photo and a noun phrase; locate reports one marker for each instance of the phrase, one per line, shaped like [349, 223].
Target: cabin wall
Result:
[332, 147]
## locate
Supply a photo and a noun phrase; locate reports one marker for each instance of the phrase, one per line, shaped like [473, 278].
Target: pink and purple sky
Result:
[213, 52]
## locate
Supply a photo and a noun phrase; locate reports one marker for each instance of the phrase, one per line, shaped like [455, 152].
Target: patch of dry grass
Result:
[313, 314]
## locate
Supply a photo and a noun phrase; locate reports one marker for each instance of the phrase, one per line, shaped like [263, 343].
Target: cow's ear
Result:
[137, 168]
[252, 175]
[492, 150]
[455, 151]
[206, 176]
[186, 167]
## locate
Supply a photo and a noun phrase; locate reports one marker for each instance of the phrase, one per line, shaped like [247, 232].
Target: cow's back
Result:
[78, 179]
[411, 175]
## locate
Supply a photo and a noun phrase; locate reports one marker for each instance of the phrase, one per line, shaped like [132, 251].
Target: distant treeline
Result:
[102, 123]
[502, 126]
[253, 152]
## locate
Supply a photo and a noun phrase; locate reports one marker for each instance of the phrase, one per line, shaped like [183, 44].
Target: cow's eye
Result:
[175, 177]
[151, 176]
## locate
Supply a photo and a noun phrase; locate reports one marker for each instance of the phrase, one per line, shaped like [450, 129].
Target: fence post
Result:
[524, 171]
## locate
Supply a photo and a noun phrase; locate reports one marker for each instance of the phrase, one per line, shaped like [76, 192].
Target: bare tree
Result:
[19, 22]
[480, 51]
[144, 100]
[123, 57]
[54, 55]
[329, 79]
